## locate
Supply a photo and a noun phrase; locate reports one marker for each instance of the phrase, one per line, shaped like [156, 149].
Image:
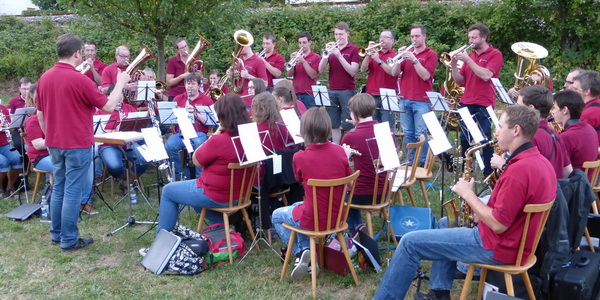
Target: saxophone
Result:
[463, 216]
[495, 175]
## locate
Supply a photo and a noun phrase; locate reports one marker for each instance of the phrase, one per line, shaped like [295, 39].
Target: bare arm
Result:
[116, 95]
[323, 64]
[464, 189]
[567, 171]
[39, 144]
[172, 80]
[40, 115]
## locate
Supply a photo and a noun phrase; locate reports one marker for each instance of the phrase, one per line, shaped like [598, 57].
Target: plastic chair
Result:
[519, 267]
[408, 172]
[336, 224]
[248, 173]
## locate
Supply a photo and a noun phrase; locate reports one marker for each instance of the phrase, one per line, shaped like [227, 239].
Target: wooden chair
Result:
[593, 167]
[38, 173]
[425, 173]
[381, 206]
[336, 224]
[409, 172]
[517, 268]
[248, 174]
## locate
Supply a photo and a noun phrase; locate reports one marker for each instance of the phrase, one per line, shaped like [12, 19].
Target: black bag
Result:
[47, 191]
[579, 278]
[188, 259]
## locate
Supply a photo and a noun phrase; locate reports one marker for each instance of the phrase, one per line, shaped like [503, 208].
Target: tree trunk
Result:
[161, 65]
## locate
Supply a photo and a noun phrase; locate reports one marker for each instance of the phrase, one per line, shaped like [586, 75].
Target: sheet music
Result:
[185, 123]
[165, 113]
[251, 144]
[277, 80]
[470, 123]
[493, 116]
[103, 119]
[291, 121]
[137, 114]
[400, 179]
[389, 100]
[154, 148]
[501, 92]
[438, 102]
[127, 136]
[321, 95]
[145, 90]
[212, 108]
[208, 115]
[385, 143]
[440, 142]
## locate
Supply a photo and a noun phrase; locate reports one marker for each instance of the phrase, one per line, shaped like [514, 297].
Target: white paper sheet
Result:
[291, 121]
[212, 107]
[470, 123]
[385, 143]
[440, 142]
[277, 162]
[400, 179]
[479, 159]
[493, 116]
[137, 114]
[185, 123]
[154, 145]
[251, 142]
[438, 101]
[321, 95]
[501, 92]
[389, 100]
[126, 136]
[103, 119]
[165, 112]
[208, 115]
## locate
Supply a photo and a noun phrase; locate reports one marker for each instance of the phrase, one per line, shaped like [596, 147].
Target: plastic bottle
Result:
[45, 215]
[132, 195]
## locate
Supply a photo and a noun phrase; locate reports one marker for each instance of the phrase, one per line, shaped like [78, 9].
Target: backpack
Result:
[217, 244]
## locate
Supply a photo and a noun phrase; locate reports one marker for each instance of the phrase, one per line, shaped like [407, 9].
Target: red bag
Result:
[217, 244]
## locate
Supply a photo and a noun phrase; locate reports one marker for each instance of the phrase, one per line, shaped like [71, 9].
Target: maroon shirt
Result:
[302, 82]
[109, 75]
[412, 86]
[15, 103]
[378, 78]
[553, 150]
[339, 79]
[256, 68]
[319, 161]
[3, 138]
[276, 60]
[202, 100]
[527, 179]
[34, 132]
[591, 114]
[581, 143]
[278, 133]
[478, 91]
[176, 67]
[99, 66]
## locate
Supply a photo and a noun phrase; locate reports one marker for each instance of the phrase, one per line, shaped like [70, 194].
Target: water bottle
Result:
[132, 195]
[45, 207]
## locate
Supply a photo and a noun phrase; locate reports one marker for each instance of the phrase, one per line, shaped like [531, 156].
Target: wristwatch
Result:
[416, 61]
[380, 62]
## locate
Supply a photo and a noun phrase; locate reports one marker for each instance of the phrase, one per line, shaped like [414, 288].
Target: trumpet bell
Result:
[190, 64]
[144, 55]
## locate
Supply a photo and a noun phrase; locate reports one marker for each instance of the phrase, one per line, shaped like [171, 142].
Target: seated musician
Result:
[285, 100]
[10, 161]
[265, 113]
[211, 189]
[175, 142]
[112, 155]
[495, 238]
[578, 136]
[149, 75]
[288, 84]
[320, 160]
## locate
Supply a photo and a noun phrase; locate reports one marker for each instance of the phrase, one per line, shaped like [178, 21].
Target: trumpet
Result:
[83, 67]
[446, 58]
[262, 53]
[399, 57]
[369, 50]
[289, 65]
[329, 47]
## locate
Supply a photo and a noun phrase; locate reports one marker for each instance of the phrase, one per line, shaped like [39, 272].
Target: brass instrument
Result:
[289, 65]
[399, 57]
[555, 124]
[463, 216]
[242, 39]
[4, 126]
[133, 71]
[495, 175]
[216, 93]
[83, 67]
[529, 71]
[329, 47]
[262, 53]
[446, 58]
[452, 92]
[161, 86]
[190, 63]
[369, 50]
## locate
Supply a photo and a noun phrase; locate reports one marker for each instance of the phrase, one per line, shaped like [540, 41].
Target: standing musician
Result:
[481, 65]
[189, 100]
[176, 72]
[416, 77]
[343, 61]
[95, 72]
[587, 84]
[66, 102]
[273, 61]
[495, 240]
[110, 73]
[381, 74]
[578, 135]
[252, 67]
[306, 70]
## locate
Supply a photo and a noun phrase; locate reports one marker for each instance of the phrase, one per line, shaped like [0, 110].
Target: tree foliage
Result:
[46, 4]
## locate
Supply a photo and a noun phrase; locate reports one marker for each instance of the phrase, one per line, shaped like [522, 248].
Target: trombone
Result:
[329, 47]
[399, 57]
[369, 50]
[289, 65]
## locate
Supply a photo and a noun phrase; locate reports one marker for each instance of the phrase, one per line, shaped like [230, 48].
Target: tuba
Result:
[134, 72]
[529, 71]
[190, 63]
[242, 39]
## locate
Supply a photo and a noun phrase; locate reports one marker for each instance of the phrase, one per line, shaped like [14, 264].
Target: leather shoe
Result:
[55, 242]
[81, 243]
[88, 209]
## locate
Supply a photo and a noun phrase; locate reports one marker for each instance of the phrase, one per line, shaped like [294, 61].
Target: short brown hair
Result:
[231, 112]
[259, 85]
[539, 96]
[67, 44]
[589, 80]
[362, 105]
[177, 41]
[25, 80]
[484, 31]
[315, 126]
[270, 36]
[264, 108]
[527, 118]
[194, 77]
[342, 26]
[572, 100]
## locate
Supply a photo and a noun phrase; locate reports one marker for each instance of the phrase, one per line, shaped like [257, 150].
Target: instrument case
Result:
[579, 278]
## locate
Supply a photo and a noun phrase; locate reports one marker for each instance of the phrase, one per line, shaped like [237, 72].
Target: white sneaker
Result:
[301, 265]
[143, 251]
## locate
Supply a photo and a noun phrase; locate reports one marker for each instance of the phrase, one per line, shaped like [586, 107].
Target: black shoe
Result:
[55, 242]
[460, 275]
[429, 296]
[81, 243]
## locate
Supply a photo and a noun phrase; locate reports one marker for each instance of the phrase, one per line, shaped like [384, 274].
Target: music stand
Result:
[501, 92]
[17, 123]
[321, 96]
[292, 123]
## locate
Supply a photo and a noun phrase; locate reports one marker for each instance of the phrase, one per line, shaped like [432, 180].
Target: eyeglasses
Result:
[250, 87]
[569, 82]
[385, 37]
[123, 56]
[23, 89]
[183, 47]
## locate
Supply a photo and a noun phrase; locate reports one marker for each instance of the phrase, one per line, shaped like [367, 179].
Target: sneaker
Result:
[81, 243]
[143, 251]
[429, 296]
[89, 209]
[301, 265]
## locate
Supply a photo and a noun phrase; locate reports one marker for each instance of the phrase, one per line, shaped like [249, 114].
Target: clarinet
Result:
[4, 127]
[164, 164]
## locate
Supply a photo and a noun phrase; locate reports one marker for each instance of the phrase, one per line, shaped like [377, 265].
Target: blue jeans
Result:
[413, 124]
[186, 193]
[284, 214]
[339, 111]
[175, 143]
[442, 246]
[382, 115]
[482, 118]
[308, 100]
[112, 157]
[9, 159]
[71, 171]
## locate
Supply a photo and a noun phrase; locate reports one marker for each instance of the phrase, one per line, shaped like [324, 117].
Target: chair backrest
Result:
[336, 197]
[412, 167]
[531, 209]
[593, 167]
[429, 162]
[247, 174]
[386, 192]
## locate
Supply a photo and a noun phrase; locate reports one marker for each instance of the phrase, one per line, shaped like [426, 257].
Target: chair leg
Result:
[467, 283]
[527, 282]
[201, 220]
[369, 219]
[424, 190]
[37, 184]
[313, 267]
[510, 290]
[386, 219]
[340, 237]
[228, 237]
[321, 252]
[284, 199]
[481, 283]
[287, 255]
[249, 225]
[411, 196]
[588, 238]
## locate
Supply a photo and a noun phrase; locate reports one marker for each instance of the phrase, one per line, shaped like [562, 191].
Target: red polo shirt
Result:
[109, 74]
[200, 100]
[553, 150]
[99, 66]
[412, 86]
[302, 82]
[176, 67]
[356, 139]
[276, 60]
[15, 103]
[378, 78]
[68, 101]
[34, 132]
[319, 161]
[214, 155]
[339, 79]
[527, 179]
[256, 68]
[478, 91]
[591, 114]
[115, 119]
[581, 143]
[3, 138]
